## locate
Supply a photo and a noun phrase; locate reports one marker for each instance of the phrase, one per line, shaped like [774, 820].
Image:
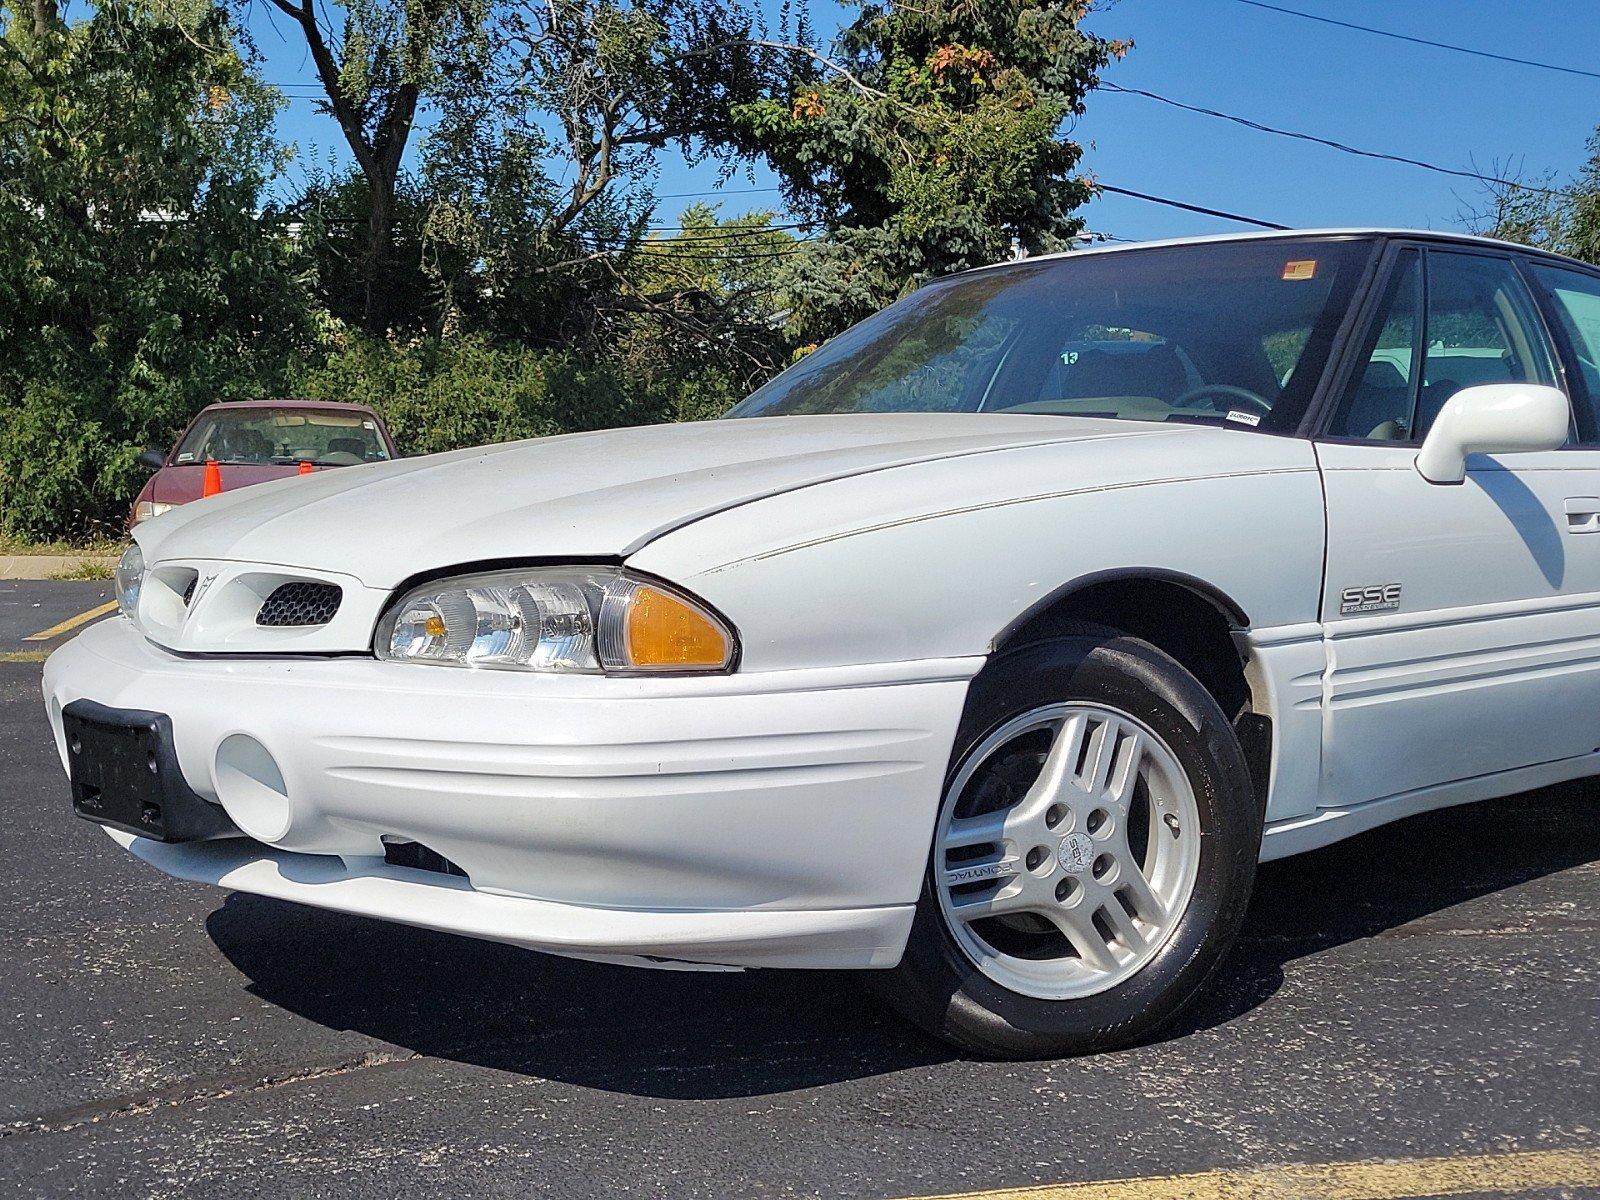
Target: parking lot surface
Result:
[38, 614]
[1427, 993]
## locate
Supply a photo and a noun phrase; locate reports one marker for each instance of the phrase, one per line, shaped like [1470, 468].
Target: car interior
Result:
[1202, 336]
[1479, 329]
[283, 436]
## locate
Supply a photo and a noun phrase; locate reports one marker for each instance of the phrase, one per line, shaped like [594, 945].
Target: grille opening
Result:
[398, 853]
[188, 592]
[300, 603]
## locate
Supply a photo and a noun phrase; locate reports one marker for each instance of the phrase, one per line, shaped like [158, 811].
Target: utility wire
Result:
[1417, 41]
[724, 230]
[1194, 208]
[719, 192]
[1330, 143]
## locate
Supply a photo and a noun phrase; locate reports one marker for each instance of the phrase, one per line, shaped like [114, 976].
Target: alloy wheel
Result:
[1067, 850]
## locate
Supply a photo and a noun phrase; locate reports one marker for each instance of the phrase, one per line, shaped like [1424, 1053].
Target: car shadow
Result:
[1402, 877]
[718, 1035]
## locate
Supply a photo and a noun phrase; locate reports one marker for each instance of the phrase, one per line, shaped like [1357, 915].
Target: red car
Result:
[253, 441]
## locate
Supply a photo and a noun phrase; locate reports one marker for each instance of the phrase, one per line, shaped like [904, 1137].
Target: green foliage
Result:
[443, 393]
[332, 211]
[1563, 216]
[928, 141]
[136, 280]
[537, 170]
[703, 300]
[506, 284]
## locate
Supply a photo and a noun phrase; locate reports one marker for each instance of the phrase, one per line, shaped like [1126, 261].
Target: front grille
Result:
[188, 592]
[300, 604]
[418, 857]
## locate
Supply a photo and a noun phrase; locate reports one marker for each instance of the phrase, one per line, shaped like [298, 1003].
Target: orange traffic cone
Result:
[305, 467]
[213, 479]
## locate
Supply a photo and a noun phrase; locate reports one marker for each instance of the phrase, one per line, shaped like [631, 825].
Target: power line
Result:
[718, 192]
[724, 230]
[1194, 208]
[1330, 143]
[1401, 37]
[726, 256]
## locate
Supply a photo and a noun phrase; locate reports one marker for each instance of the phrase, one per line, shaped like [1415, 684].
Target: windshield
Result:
[1233, 332]
[284, 435]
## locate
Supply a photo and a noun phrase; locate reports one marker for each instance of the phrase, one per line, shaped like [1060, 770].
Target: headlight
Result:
[143, 510]
[130, 573]
[565, 619]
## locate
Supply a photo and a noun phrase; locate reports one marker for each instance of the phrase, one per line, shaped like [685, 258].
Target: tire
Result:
[1017, 1006]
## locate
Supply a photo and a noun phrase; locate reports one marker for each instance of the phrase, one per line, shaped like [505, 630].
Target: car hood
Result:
[181, 483]
[602, 494]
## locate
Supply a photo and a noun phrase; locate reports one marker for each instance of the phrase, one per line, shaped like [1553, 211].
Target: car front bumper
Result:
[764, 819]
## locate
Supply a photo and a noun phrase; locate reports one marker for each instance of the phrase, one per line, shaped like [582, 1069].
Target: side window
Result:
[1478, 326]
[1380, 399]
[1575, 299]
[1481, 328]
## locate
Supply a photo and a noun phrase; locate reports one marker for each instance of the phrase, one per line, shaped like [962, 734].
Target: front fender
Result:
[937, 559]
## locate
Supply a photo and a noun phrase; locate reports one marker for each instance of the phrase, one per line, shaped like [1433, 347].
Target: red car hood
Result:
[184, 482]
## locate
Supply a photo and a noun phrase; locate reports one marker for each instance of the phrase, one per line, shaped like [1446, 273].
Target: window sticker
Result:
[1244, 418]
[1300, 268]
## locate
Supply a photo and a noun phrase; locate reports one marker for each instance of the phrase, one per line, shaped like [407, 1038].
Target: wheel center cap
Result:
[1075, 853]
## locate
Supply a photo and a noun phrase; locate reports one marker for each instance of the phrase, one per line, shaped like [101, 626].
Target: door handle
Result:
[1583, 514]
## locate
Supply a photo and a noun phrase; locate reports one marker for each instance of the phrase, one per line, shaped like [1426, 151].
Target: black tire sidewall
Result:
[939, 986]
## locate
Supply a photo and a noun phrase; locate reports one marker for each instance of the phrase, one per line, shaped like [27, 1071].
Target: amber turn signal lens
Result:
[664, 631]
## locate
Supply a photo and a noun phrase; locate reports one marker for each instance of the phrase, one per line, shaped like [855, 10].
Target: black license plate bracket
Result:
[123, 764]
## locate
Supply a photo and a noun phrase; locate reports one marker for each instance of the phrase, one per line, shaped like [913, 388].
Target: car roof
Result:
[321, 405]
[1261, 235]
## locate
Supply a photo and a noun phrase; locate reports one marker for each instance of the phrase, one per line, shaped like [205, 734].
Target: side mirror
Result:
[153, 459]
[1492, 418]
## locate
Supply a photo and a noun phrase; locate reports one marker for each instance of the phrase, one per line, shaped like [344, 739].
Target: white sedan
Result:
[989, 647]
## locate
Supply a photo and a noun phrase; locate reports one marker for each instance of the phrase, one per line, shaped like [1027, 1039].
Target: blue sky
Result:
[1380, 94]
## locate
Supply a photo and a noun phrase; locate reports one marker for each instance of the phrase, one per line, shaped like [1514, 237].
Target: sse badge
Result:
[1377, 598]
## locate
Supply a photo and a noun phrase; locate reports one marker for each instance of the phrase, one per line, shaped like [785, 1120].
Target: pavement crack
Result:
[1543, 926]
[67, 1120]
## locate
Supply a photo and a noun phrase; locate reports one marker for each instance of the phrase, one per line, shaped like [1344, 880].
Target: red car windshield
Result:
[283, 435]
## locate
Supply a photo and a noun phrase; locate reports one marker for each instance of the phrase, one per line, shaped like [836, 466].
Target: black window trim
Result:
[1354, 323]
[1341, 370]
[1340, 373]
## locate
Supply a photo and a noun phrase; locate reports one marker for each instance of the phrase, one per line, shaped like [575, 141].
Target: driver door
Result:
[1462, 633]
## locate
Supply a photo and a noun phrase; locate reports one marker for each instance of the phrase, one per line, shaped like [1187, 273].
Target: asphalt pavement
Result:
[1429, 991]
[32, 612]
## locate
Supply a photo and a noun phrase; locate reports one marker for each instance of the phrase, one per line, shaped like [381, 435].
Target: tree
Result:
[141, 274]
[1546, 212]
[543, 107]
[538, 168]
[924, 142]
[376, 63]
[707, 298]
[332, 212]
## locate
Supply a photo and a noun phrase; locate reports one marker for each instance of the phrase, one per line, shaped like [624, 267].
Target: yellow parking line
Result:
[1392, 1179]
[71, 623]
